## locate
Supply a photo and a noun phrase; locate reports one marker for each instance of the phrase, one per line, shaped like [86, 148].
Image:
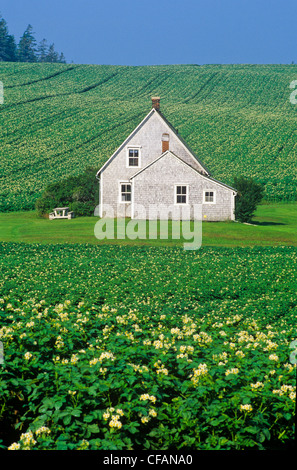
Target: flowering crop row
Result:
[140, 348]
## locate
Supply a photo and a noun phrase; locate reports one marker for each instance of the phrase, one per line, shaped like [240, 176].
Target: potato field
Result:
[57, 119]
[140, 348]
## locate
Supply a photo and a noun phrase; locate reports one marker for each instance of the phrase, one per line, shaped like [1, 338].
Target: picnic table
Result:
[61, 213]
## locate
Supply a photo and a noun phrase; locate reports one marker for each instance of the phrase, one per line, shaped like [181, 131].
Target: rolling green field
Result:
[140, 344]
[59, 118]
[274, 224]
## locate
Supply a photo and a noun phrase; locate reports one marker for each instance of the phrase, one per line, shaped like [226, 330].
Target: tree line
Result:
[27, 49]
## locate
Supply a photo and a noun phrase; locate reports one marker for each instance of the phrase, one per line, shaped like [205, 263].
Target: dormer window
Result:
[133, 157]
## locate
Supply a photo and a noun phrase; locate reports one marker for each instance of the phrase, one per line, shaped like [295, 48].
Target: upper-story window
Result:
[133, 157]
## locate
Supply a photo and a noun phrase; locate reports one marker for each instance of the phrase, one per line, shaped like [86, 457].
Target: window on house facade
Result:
[133, 157]
[209, 196]
[181, 194]
[125, 195]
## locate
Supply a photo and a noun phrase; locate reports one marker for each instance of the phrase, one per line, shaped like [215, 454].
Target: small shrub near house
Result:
[249, 195]
[80, 193]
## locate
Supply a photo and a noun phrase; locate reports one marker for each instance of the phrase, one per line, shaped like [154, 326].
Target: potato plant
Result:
[147, 348]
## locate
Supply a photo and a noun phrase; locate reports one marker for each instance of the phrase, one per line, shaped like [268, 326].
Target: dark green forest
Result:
[27, 49]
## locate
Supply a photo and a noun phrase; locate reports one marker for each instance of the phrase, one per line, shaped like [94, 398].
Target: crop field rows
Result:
[57, 119]
[117, 347]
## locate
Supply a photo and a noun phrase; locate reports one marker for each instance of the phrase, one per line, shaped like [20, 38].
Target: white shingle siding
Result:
[155, 179]
[156, 186]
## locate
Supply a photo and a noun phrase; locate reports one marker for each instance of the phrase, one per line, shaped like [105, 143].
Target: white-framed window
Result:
[125, 192]
[181, 194]
[209, 197]
[133, 157]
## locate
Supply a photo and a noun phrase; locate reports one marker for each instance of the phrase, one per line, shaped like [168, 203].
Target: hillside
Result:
[57, 119]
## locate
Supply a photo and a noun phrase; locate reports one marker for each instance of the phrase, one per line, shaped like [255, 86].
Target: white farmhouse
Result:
[154, 170]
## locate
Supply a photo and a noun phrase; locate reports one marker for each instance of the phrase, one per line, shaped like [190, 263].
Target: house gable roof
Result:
[125, 142]
[168, 152]
[152, 112]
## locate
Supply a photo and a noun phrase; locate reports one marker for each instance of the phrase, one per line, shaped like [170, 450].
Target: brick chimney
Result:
[165, 142]
[156, 102]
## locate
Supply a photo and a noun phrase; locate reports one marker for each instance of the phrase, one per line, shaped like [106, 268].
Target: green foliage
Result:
[140, 348]
[249, 195]
[26, 50]
[47, 53]
[7, 43]
[59, 118]
[80, 193]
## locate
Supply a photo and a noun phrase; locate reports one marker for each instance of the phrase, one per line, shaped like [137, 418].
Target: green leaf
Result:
[88, 418]
[252, 429]
[133, 428]
[266, 433]
[93, 428]
[103, 388]
[93, 390]
[59, 403]
[67, 419]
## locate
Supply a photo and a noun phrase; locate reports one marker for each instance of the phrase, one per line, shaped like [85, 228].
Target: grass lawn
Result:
[274, 224]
